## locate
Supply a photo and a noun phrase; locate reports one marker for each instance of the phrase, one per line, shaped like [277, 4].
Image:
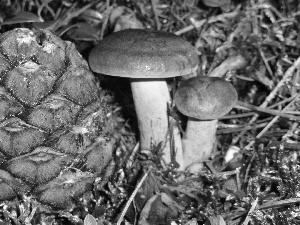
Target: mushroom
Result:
[147, 57]
[203, 100]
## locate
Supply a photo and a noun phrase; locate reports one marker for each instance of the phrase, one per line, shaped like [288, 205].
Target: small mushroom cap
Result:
[205, 98]
[139, 53]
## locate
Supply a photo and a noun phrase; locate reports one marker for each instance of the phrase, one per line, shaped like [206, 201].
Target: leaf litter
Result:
[264, 186]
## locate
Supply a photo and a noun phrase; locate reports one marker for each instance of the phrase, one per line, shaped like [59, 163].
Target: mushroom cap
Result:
[139, 53]
[205, 98]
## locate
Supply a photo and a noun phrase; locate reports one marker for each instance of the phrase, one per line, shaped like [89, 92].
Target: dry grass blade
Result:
[198, 24]
[145, 211]
[270, 124]
[231, 63]
[132, 156]
[266, 110]
[138, 186]
[239, 129]
[273, 93]
[73, 12]
[154, 4]
[236, 116]
[280, 203]
[253, 206]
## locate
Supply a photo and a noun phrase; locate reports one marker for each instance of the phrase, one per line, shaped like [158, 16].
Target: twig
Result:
[270, 124]
[176, 16]
[269, 6]
[254, 19]
[30, 217]
[241, 77]
[262, 54]
[231, 63]
[287, 74]
[282, 102]
[236, 116]
[132, 156]
[184, 190]
[279, 203]
[267, 110]
[253, 206]
[249, 166]
[138, 186]
[238, 180]
[239, 129]
[198, 24]
[294, 81]
[291, 131]
[153, 4]
[70, 14]
[286, 145]
[45, 4]
[106, 18]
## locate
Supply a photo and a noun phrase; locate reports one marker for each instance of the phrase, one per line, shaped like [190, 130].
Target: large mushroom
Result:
[147, 57]
[203, 100]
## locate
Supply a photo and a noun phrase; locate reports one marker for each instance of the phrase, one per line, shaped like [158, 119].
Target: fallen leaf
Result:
[23, 17]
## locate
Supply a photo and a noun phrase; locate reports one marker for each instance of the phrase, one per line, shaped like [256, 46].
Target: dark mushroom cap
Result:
[205, 98]
[139, 53]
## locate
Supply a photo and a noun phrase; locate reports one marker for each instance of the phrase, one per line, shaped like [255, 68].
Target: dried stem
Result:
[273, 93]
[138, 186]
[270, 124]
[231, 63]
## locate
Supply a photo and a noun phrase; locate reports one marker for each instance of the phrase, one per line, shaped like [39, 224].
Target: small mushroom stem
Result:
[198, 143]
[151, 99]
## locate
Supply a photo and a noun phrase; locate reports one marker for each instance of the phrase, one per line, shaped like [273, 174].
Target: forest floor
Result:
[255, 45]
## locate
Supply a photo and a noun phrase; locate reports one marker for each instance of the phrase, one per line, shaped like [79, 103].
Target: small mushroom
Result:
[203, 100]
[147, 57]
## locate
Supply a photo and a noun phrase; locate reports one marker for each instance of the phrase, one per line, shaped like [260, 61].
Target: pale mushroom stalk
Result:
[198, 142]
[151, 100]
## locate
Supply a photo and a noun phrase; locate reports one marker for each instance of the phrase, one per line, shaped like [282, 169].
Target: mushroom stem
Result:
[198, 143]
[151, 99]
